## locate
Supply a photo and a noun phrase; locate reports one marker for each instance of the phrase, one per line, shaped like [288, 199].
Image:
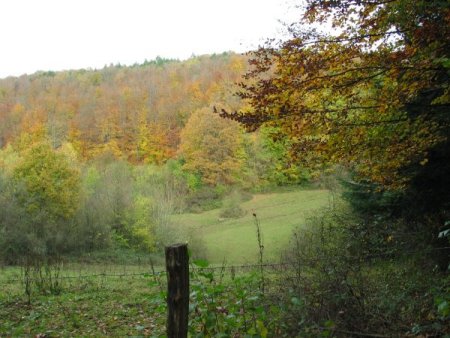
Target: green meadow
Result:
[234, 239]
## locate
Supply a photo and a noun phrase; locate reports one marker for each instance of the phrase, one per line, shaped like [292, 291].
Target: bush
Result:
[40, 198]
[232, 206]
[206, 198]
[348, 277]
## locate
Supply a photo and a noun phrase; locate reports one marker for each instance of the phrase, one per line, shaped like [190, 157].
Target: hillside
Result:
[134, 112]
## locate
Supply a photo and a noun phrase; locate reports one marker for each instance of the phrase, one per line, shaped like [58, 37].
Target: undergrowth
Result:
[340, 278]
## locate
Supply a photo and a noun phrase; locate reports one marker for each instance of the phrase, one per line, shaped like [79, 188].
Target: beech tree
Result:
[372, 93]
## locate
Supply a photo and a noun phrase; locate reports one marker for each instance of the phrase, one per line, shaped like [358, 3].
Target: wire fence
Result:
[161, 272]
[150, 270]
[287, 268]
[146, 267]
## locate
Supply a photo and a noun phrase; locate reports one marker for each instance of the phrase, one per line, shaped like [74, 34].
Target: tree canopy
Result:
[371, 93]
[212, 148]
[48, 179]
[134, 113]
[37, 204]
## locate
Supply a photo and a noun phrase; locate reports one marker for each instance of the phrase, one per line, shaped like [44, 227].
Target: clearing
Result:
[234, 240]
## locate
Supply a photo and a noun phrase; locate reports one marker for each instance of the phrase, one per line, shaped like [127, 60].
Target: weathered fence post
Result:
[177, 266]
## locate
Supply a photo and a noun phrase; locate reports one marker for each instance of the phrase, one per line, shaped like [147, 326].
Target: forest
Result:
[309, 177]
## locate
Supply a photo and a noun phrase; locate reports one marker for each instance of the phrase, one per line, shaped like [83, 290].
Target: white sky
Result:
[73, 34]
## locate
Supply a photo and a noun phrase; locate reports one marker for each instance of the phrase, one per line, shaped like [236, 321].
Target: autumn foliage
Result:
[212, 147]
[370, 93]
[133, 113]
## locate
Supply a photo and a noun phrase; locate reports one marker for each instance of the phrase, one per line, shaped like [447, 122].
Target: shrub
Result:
[232, 206]
[348, 275]
[206, 198]
[40, 200]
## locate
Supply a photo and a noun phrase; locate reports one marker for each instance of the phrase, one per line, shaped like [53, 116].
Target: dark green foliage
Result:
[362, 277]
[420, 211]
[158, 61]
[205, 198]
[12, 219]
[429, 193]
[224, 309]
[369, 199]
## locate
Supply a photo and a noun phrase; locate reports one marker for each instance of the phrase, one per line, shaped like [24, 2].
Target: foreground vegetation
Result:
[330, 279]
[85, 306]
[320, 288]
[222, 302]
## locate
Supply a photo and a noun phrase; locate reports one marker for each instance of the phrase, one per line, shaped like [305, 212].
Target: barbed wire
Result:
[250, 266]
[318, 257]
[161, 272]
[273, 265]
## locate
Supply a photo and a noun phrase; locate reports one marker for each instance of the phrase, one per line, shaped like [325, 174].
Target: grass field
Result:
[85, 307]
[234, 240]
[119, 302]
[109, 299]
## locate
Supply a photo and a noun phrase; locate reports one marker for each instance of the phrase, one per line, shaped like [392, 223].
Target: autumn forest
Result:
[320, 163]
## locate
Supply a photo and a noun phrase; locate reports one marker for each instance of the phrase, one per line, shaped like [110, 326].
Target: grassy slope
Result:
[235, 239]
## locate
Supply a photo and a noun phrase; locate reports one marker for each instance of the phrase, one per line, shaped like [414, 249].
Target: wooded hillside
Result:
[134, 112]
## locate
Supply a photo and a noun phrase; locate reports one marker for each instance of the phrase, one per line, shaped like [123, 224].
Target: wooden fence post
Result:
[177, 267]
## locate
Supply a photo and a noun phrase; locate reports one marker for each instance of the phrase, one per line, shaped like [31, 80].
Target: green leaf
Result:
[295, 301]
[262, 329]
[329, 324]
[208, 275]
[444, 308]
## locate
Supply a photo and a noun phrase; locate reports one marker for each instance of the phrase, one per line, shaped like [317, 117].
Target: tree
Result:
[212, 147]
[133, 113]
[373, 96]
[152, 145]
[12, 221]
[52, 185]
[39, 201]
[94, 217]
[269, 161]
